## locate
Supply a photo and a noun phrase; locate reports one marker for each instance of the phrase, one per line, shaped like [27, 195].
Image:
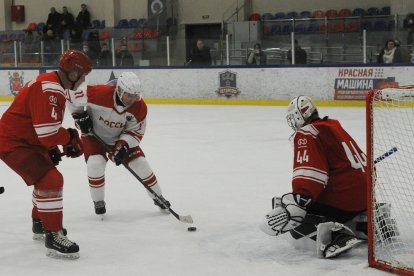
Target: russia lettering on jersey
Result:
[329, 166]
[110, 121]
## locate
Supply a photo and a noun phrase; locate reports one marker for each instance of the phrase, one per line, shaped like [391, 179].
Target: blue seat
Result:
[122, 24]
[292, 14]
[313, 28]
[40, 26]
[373, 11]
[300, 28]
[380, 25]
[280, 15]
[287, 29]
[96, 24]
[267, 16]
[276, 29]
[366, 25]
[358, 12]
[142, 21]
[102, 25]
[305, 14]
[12, 37]
[133, 23]
[385, 10]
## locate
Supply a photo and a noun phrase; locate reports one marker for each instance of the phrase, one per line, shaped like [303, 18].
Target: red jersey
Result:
[35, 116]
[329, 166]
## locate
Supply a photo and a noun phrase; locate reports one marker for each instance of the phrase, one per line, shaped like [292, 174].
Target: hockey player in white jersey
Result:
[117, 114]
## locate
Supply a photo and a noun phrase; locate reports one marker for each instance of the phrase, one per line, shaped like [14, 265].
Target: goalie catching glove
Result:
[83, 122]
[288, 213]
[74, 148]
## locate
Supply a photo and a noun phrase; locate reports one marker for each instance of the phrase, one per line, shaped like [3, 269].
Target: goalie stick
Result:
[186, 219]
[385, 155]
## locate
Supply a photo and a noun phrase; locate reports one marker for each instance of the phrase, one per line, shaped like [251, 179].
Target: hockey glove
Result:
[55, 155]
[74, 148]
[120, 152]
[288, 213]
[83, 121]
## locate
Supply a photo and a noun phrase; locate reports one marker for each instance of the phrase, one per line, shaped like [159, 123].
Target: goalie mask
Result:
[128, 86]
[300, 109]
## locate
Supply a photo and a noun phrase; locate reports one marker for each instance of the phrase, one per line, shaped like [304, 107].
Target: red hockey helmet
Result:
[75, 60]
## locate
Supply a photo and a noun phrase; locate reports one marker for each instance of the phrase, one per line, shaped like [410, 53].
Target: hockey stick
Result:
[385, 155]
[186, 219]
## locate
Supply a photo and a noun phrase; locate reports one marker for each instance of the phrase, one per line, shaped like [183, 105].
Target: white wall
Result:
[133, 9]
[321, 83]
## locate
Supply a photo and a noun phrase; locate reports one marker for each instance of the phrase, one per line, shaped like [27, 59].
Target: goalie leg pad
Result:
[334, 238]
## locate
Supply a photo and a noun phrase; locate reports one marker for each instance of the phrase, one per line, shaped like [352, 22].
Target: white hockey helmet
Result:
[299, 111]
[128, 82]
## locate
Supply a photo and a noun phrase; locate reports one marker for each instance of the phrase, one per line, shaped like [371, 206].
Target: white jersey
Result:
[111, 121]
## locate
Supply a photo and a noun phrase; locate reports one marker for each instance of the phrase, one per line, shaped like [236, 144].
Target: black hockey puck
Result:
[192, 229]
[1, 190]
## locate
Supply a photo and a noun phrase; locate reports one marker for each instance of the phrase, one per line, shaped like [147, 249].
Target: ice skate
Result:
[59, 246]
[163, 206]
[100, 208]
[342, 242]
[39, 232]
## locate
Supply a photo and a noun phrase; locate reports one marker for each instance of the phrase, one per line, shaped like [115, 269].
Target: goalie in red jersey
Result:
[328, 199]
[30, 133]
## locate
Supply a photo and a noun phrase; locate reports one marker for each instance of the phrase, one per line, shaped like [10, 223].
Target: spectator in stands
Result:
[32, 41]
[409, 25]
[83, 20]
[300, 54]
[389, 53]
[91, 54]
[67, 20]
[53, 21]
[76, 38]
[93, 42]
[123, 57]
[402, 52]
[257, 56]
[105, 56]
[200, 55]
[51, 46]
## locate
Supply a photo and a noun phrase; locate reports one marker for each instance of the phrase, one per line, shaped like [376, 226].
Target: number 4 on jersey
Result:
[302, 156]
[53, 114]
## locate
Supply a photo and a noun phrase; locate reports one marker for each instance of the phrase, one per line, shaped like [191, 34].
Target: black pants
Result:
[319, 213]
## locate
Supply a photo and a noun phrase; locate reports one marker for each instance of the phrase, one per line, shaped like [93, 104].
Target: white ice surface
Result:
[220, 164]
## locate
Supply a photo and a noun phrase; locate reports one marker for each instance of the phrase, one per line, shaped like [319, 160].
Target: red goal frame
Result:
[370, 168]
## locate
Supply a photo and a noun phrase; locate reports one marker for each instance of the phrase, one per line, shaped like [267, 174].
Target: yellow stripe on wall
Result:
[232, 101]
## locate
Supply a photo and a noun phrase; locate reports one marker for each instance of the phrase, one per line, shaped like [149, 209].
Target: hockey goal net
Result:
[390, 152]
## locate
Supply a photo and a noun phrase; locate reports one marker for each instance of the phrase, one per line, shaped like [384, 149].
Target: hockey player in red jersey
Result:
[30, 133]
[328, 198]
[117, 115]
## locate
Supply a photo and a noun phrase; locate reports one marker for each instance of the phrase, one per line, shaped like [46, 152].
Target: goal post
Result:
[390, 125]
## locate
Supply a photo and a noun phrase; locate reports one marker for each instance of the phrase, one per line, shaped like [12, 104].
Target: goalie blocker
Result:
[302, 219]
